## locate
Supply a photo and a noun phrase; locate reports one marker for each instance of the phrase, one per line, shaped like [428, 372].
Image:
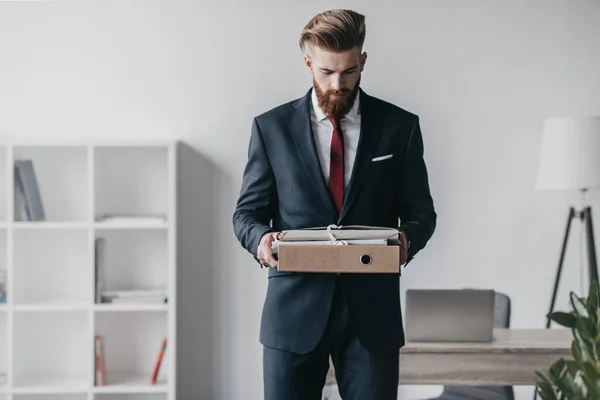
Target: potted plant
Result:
[577, 378]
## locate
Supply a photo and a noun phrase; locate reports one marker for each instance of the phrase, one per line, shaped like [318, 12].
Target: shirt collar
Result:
[351, 115]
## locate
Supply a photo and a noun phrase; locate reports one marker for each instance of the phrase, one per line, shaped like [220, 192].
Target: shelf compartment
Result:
[62, 177]
[131, 180]
[52, 352]
[131, 344]
[132, 260]
[52, 267]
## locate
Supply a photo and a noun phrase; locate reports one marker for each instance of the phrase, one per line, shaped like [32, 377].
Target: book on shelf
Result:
[99, 261]
[99, 362]
[28, 205]
[133, 296]
[159, 360]
[131, 218]
[2, 286]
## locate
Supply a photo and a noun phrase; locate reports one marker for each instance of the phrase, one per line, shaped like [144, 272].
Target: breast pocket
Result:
[386, 163]
[383, 178]
[382, 158]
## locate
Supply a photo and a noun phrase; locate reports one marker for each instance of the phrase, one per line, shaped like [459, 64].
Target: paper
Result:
[334, 232]
[353, 242]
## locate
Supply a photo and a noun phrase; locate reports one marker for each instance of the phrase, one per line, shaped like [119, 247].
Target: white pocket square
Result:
[382, 158]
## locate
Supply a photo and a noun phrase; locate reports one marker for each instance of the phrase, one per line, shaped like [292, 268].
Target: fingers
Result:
[269, 258]
[265, 253]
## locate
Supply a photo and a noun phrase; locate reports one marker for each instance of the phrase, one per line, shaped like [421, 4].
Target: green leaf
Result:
[546, 391]
[578, 306]
[576, 351]
[544, 377]
[589, 370]
[586, 347]
[562, 318]
[566, 386]
[586, 377]
[596, 389]
[558, 369]
[572, 367]
[586, 328]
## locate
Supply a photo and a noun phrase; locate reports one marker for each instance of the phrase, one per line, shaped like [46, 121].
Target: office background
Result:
[482, 75]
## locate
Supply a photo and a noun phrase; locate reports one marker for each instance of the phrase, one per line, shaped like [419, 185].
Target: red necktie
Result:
[336, 166]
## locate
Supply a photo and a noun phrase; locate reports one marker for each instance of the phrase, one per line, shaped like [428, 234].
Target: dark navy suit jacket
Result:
[283, 188]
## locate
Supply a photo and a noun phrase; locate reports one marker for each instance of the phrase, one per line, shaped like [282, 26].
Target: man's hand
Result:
[265, 253]
[403, 248]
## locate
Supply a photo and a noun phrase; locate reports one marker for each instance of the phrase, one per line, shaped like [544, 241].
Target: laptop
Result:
[449, 315]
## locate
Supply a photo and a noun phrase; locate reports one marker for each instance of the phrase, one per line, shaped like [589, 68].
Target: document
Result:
[335, 232]
[352, 242]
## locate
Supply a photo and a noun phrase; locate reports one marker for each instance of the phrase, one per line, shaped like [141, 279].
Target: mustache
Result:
[343, 91]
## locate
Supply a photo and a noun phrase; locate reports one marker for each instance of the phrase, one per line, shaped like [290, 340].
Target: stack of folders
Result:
[351, 235]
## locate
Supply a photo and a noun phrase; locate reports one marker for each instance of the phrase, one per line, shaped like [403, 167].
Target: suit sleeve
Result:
[257, 200]
[417, 214]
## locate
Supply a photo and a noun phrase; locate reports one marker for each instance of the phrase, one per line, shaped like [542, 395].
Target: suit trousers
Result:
[360, 375]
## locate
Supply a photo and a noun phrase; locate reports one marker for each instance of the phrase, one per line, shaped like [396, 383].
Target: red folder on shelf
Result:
[161, 355]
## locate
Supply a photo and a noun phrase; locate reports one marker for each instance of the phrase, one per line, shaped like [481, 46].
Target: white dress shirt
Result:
[323, 132]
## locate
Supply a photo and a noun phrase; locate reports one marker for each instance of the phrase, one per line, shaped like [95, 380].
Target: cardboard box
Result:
[339, 259]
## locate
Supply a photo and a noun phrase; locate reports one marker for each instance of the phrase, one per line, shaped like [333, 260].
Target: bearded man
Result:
[334, 156]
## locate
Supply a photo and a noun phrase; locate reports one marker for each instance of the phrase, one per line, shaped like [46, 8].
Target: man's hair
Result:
[334, 30]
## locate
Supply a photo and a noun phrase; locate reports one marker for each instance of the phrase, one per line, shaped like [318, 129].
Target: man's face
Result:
[336, 78]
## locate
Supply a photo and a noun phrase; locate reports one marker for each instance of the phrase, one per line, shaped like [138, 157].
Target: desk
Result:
[511, 359]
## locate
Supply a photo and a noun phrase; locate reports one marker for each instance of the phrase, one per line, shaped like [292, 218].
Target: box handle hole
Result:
[365, 259]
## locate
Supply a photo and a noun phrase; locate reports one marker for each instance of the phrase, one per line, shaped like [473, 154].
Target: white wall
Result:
[482, 76]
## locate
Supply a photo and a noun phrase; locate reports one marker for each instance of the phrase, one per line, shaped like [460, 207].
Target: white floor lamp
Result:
[570, 160]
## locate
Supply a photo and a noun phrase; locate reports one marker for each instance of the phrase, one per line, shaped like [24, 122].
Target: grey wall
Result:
[482, 75]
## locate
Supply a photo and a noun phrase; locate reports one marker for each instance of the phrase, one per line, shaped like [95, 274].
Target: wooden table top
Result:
[510, 359]
[529, 341]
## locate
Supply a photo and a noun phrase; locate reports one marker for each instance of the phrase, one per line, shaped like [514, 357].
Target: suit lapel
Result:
[302, 134]
[370, 131]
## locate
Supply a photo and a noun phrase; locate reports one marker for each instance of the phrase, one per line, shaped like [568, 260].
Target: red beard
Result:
[336, 107]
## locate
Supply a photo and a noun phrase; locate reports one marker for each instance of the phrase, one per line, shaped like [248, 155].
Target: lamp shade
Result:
[570, 154]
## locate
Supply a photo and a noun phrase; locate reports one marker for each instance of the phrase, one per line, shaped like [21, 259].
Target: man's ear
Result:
[363, 60]
[308, 62]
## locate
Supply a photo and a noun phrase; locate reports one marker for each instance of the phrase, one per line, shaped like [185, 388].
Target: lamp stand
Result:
[586, 217]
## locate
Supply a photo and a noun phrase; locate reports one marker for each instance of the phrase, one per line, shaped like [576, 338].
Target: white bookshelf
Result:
[51, 314]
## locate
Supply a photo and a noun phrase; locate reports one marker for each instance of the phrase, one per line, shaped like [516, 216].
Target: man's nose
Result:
[337, 83]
